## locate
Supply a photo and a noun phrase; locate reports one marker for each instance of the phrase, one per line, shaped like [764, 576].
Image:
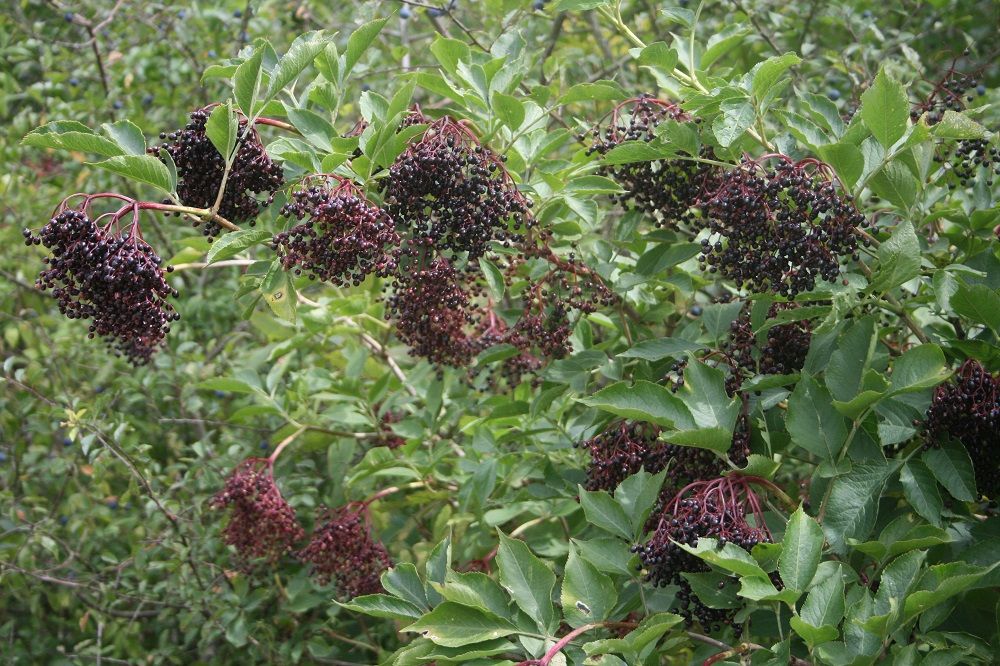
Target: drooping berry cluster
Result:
[344, 239]
[779, 229]
[783, 352]
[665, 188]
[200, 170]
[450, 190]
[952, 92]
[967, 409]
[969, 156]
[108, 274]
[262, 525]
[431, 309]
[716, 508]
[342, 549]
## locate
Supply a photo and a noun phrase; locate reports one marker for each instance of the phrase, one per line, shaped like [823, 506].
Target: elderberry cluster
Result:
[455, 193]
[344, 239]
[431, 310]
[200, 170]
[779, 229]
[666, 188]
[783, 352]
[111, 278]
[967, 409]
[342, 549]
[968, 157]
[262, 525]
[711, 509]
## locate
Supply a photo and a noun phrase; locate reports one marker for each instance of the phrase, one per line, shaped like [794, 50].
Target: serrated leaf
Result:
[918, 368]
[233, 243]
[587, 595]
[658, 349]
[813, 422]
[736, 118]
[599, 90]
[359, 41]
[246, 82]
[528, 581]
[509, 109]
[404, 582]
[952, 467]
[637, 495]
[853, 504]
[729, 557]
[73, 136]
[979, 303]
[474, 589]
[127, 135]
[603, 511]
[767, 73]
[494, 278]
[899, 259]
[954, 125]
[383, 605]
[221, 128]
[454, 625]
[663, 256]
[140, 168]
[299, 55]
[801, 550]
[314, 128]
[885, 109]
[644, 401]
[921, 490]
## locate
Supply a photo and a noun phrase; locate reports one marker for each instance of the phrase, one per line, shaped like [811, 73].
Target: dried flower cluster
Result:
[342, 549]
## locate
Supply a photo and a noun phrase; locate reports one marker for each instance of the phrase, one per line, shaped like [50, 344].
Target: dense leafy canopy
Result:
[508, 332]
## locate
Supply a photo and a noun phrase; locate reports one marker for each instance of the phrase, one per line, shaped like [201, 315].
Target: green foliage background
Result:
[107, 546]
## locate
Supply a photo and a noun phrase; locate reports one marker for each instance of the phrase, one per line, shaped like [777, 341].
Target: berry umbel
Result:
[342, 549]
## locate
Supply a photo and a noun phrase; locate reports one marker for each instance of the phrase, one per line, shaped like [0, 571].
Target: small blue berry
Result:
[365, 87]
[434, 13]
[212, 54]
[833, 94]
[99, 390]
[117, 104]
[219, 394]
[539, 4]
[182, 14]
[405, 12]
[63, 520]
[867, 14]
[69, 16]
[74, 81]
[112, 504]
[264, 446]
[147, 99]
[3, 456]
[980, 90]
[237, 13]
[67, 441]
[696, 310]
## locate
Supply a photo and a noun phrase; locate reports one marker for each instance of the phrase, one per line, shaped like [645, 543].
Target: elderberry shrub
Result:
[783, 352]
[718, 509]
[342, 549]
[200, 169]
[455, 193]
[112, 278]
[779, 229]
[666, 188]
[967, 409]
[431, 308]
[262, 525]
[344, 239]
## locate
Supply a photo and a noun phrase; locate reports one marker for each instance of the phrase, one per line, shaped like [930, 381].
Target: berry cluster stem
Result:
[205, 214]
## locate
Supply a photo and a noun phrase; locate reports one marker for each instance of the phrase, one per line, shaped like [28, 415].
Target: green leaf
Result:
[383, 605]
[404, 582]
[979, 303]
[658, 349]
[127, 135]
[801, 550]
[894, 584]
[921, 490]
[449, 53]
[246, 82]
[659, 56]
[73, 136]
[279, 292]
[579, 5]
[528, 581]
[604, 512]
[940, 583]
[221, 128]
[846, 159]
[885, 109]
[494, 278]
[853, 504]
[233, 243]
[736, 118]
[663, 256]
[951, 466]
[644, 401]
[822, 611]
[851, 359]
[954, 125]
[300, 54]
[918, 368]
[705, 396]
[140, 168]
[314, 128]
[760, 588]
[637, 495]
[509, 109]
[359, 41]
[721, 43]
[474, 589]
[606, 91]
[729, 557]
[715, 589]
[226, 384]
[898, 259]
[606, 553]
[455, 625]
[812, 421]
[896, 183]
[587, 595]
[767, 73]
